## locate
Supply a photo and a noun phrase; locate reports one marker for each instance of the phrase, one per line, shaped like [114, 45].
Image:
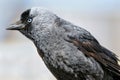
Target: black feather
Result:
[25, 15]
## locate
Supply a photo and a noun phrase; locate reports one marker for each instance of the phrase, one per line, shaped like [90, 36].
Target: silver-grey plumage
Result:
[51, 35]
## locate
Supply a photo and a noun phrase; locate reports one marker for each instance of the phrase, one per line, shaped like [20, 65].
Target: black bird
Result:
[70, 52]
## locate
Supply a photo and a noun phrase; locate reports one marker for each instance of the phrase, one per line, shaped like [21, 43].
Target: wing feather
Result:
[91, 48]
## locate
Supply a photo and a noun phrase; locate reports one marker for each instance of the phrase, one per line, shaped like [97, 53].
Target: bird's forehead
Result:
[25, 14]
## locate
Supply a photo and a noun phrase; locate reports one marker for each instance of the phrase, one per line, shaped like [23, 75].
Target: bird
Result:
[70, 52]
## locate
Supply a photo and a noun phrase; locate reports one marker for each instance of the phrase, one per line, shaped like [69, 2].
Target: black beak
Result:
[16, 26]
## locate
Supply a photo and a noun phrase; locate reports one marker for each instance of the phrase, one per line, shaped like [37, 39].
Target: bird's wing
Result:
[91, 48]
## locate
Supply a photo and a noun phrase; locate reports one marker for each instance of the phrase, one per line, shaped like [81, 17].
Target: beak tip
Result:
[9, 28]
[16, 26]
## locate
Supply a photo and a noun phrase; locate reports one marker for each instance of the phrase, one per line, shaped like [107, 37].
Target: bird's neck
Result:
[48, 41]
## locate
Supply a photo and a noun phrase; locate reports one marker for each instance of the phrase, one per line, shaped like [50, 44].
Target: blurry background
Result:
[18, 56]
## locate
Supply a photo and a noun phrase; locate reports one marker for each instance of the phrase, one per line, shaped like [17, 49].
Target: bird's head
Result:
[34, 21]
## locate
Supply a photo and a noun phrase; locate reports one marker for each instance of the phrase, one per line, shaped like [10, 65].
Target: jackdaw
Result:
[69, 51]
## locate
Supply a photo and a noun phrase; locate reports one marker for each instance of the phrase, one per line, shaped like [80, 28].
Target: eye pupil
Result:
[29, 20]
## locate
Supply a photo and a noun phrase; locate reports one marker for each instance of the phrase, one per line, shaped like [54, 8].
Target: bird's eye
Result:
[29, 20]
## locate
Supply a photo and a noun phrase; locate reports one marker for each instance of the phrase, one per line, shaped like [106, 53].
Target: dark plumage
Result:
[70, 52]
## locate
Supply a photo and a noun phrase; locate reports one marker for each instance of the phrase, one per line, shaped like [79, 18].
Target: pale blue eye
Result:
[29, 20]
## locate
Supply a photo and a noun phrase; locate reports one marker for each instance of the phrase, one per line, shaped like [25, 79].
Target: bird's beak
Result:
[16, 26]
